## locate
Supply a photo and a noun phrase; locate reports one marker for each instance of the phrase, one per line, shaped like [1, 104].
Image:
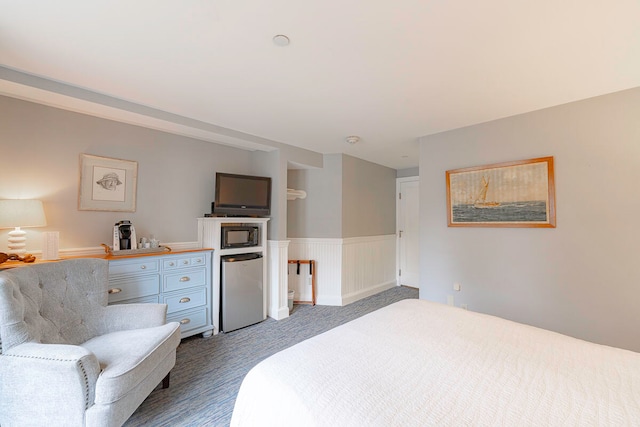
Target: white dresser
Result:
[182, 280]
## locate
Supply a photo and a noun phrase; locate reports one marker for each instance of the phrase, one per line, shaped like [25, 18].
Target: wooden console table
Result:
[13, 264]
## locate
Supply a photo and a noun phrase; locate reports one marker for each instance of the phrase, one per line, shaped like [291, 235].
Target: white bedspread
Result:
[417, 363]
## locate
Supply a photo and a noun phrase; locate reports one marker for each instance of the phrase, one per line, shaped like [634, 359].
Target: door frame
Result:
[399, 181]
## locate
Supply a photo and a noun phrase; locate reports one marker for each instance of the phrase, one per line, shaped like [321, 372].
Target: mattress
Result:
[418, 363]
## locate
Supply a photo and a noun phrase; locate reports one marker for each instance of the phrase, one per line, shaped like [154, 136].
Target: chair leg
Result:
[165, 381]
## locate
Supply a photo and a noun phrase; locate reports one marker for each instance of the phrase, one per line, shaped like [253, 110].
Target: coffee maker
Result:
[124, 236]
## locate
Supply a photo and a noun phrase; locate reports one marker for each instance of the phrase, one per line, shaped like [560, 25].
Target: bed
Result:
[418, 363]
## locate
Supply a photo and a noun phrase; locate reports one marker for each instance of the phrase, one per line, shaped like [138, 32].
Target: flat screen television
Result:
[242, 195]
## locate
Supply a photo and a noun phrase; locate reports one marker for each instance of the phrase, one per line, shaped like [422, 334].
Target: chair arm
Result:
[121, 317]
[46, 384]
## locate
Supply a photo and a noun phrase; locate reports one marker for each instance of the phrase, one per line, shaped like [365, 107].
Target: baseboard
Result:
[329, 300]
[280, 314]
[355, 296]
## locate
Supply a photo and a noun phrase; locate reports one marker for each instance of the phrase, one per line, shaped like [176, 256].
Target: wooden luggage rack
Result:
[312, 271]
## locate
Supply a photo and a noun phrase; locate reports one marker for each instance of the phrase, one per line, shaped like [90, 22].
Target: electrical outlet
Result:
[456, 286]
[450, 300]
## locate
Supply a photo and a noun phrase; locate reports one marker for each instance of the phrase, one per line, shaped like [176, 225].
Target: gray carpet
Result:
[208, 372]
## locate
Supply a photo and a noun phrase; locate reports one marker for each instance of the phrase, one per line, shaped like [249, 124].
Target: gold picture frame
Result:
[107, 184]
[512, 194]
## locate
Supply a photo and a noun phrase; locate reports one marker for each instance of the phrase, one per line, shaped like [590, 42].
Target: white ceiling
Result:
[387, 71]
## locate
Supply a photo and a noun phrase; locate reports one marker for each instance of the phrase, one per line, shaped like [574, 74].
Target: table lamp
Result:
[17, 214]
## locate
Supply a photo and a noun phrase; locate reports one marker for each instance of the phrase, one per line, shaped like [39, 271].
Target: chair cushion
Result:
[53, 303]
[128, 357]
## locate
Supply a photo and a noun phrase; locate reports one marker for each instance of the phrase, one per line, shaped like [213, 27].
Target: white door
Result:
[408, 232]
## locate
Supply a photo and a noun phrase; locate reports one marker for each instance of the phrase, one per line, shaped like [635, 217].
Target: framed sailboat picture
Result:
[513, 194]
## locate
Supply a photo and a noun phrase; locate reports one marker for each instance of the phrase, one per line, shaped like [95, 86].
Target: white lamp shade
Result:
[21, 213]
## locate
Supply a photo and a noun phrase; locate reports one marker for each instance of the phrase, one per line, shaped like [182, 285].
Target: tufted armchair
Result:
[68, 358]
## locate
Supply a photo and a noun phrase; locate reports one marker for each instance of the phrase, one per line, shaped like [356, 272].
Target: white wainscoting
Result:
[277, 304]
[347, 269]
[368, 267]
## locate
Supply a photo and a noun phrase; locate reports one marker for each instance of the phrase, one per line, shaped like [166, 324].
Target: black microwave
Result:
[239, 236]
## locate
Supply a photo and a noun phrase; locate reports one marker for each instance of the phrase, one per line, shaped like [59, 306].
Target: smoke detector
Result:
[281, 40]
[353, 139]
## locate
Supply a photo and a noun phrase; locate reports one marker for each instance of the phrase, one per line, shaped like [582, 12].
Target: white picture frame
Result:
[107, 184]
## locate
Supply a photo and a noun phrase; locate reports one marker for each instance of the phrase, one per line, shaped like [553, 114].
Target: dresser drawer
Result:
[172, 264]
[185, 279]
[186, 299]
[136, 287]
[183, 262]
[142, 300]
[117, 268]
[181, 280]
[198, 260]
[190, 320]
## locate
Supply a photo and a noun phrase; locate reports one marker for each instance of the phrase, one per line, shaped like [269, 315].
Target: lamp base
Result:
[17, 241]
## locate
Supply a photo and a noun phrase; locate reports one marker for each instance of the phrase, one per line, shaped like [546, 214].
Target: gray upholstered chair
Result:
[67, 358]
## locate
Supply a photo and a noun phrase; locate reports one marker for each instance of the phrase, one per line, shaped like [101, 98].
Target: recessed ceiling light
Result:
[353, 139]
[281, 40]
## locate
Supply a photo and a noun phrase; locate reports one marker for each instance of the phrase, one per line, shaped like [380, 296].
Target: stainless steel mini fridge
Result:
[242, 291]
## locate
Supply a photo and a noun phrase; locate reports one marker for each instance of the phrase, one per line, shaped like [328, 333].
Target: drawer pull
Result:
[185, 279]
[115, 290]
[185, 299]
[185, 262]
[198, 260]
[185, 321]
[171, 264]
[143, 267]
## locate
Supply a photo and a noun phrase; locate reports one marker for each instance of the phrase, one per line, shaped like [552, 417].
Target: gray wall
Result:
[368, 198]
[271, 164]
[581, 278]
[348, 197]
[320, 213]
[405, 173]
[41, 147]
